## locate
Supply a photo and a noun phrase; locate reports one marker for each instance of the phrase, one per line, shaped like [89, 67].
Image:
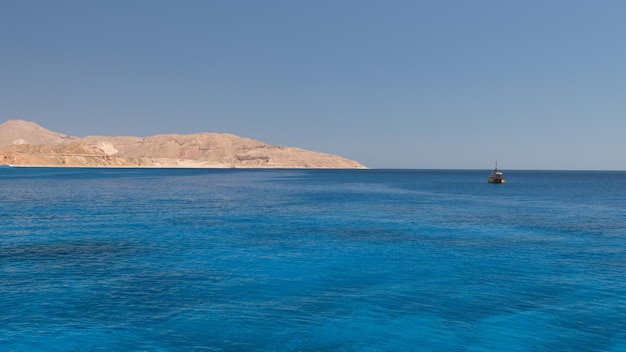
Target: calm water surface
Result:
[301, 260]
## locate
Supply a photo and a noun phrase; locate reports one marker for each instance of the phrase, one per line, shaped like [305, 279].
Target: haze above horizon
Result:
[397, 84]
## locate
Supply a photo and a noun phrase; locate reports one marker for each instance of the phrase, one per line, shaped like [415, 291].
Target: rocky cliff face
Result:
[24, 143]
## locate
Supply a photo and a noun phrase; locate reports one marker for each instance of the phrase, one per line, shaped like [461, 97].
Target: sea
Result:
[311, 260]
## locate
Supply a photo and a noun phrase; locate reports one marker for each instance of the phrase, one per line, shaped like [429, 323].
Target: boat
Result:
[496, 176]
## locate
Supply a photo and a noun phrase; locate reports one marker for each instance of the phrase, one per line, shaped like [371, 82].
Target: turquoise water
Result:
[311, 260]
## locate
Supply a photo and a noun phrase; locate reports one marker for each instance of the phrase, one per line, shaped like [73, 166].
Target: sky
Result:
[417, 84]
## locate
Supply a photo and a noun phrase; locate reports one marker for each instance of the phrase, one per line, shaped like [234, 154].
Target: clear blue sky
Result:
[392, 84]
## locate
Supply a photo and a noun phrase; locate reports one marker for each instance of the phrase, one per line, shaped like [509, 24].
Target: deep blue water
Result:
[311, 260]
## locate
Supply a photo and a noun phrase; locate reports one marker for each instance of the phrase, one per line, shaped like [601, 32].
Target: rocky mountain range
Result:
[24, 143]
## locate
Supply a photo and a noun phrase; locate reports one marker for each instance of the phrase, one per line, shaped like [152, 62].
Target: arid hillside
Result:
[24, 143]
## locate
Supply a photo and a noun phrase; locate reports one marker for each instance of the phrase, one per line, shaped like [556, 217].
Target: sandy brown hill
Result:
[15, 132]
[171, 150]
